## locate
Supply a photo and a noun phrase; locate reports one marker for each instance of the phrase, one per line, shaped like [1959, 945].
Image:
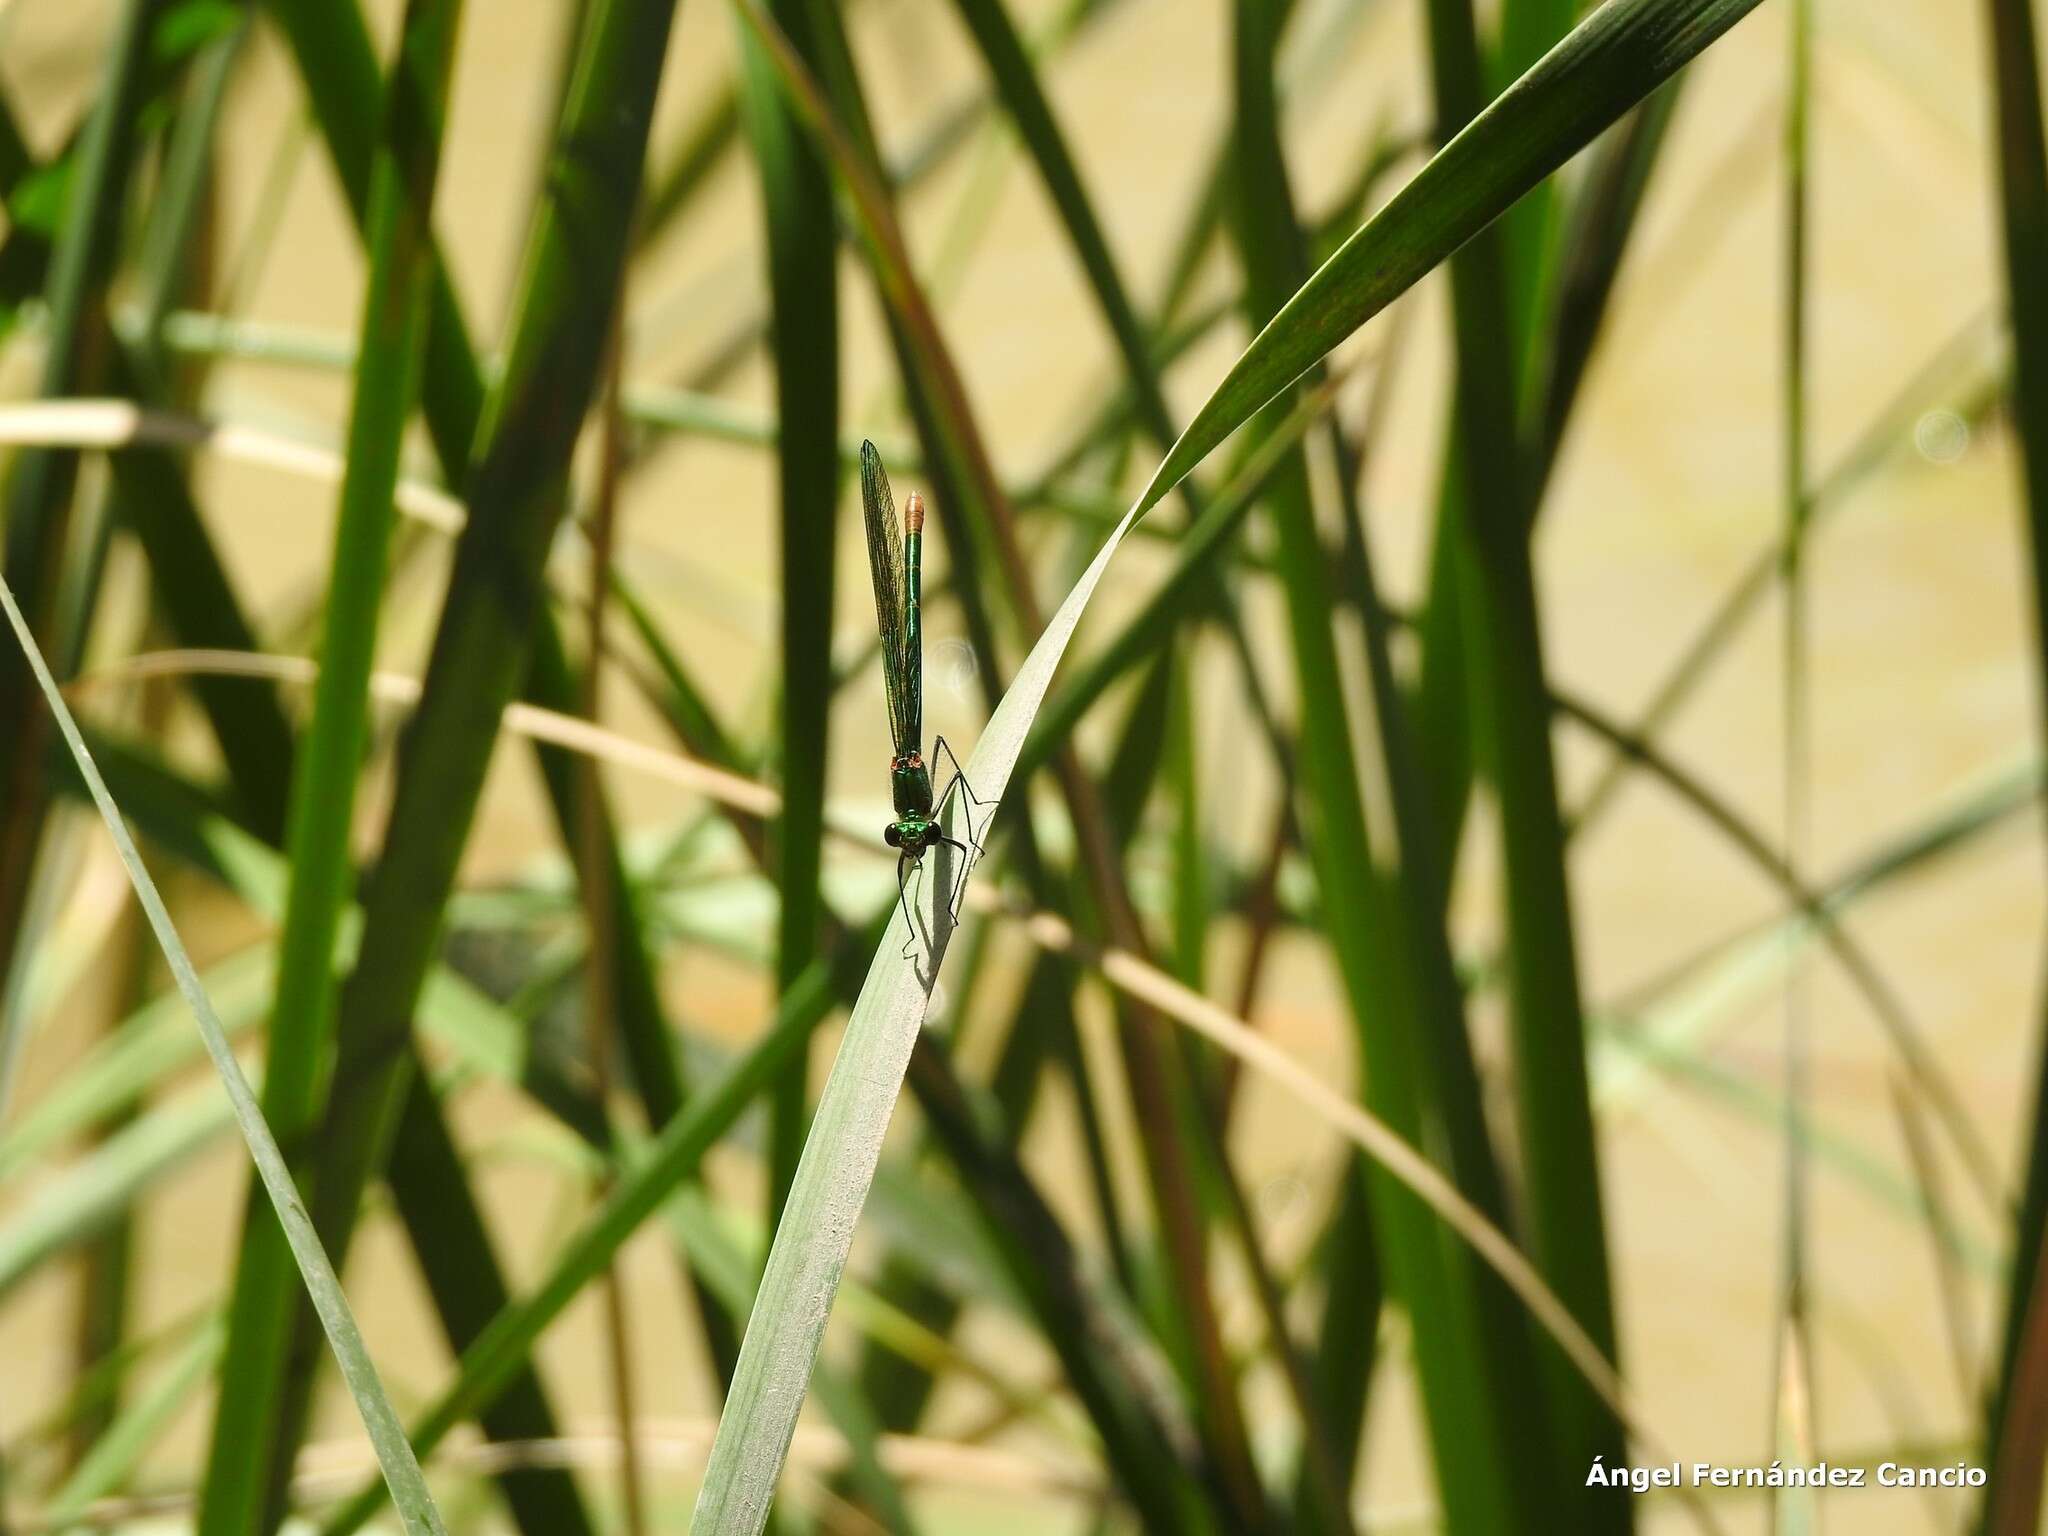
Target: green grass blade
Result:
[408, 1487]
[2016, 1435]
[247, 1422]
[1528, 233]
[1611, 61]
[671, 1157]
[802, 281]
[1560, 1178]
[1405, 1013]
[515, 497]
[1017, 81]
[1795, 1432]
[129, 1438]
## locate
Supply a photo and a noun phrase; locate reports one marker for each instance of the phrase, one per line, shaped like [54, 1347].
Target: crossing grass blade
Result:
[331, 47]
[515, 497]
[409, 1495]
[1613, 59]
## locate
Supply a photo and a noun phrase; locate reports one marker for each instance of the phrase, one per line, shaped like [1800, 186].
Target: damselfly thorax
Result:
[911, 783]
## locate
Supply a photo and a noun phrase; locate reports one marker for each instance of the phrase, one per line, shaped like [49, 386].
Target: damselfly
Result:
[896, 556]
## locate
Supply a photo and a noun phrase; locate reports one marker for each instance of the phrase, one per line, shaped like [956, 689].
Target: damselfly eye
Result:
[892, 836]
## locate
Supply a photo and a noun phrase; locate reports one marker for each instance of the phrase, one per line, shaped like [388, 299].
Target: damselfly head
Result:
[913, 513]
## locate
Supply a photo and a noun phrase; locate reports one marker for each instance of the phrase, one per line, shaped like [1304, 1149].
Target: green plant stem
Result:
[2015, 1430]
[1476, 1471]
[247, 1425]
[515, 498]
[802, 260]
[1560, 1178]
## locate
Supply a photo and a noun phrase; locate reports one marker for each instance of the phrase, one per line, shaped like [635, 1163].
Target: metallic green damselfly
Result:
[895, 556]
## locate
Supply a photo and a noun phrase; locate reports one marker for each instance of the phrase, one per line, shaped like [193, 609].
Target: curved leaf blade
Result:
[1613, 59]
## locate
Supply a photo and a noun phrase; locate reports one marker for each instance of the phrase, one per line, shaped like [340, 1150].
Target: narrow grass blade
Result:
[1796, 1432]
[1613, 59]
[408, 1487]
[1493, 292]
[2016, 1430]
[670, 1158]
[129, 1438]
[803, 254]
[322, 820]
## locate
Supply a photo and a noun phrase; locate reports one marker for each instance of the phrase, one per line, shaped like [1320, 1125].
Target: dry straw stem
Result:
[109, 424]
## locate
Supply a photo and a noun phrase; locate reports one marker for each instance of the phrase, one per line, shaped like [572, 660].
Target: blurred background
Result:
[1712, 763]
